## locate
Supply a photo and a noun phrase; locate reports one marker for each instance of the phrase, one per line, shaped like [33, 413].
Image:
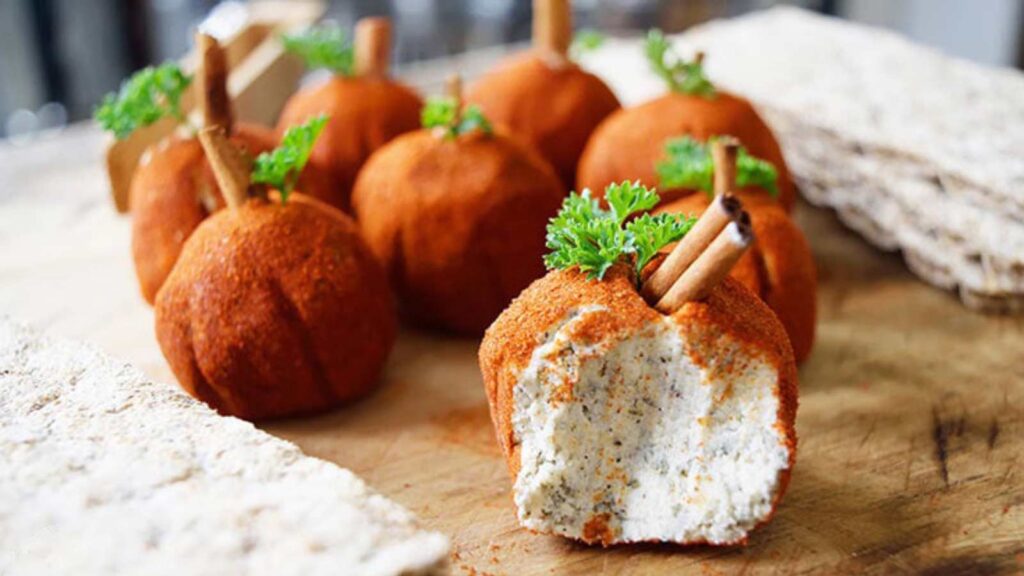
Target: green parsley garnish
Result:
[149, 95]
[280, 168]
[686, 76]
[585, 41]
[322, 46]
[689, 164]
[595, 239]
[443, 112]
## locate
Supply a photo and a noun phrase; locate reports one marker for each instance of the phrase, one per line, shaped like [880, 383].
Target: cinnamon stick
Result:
[212, 82]
[711, 266]
[372, 46]
[552, 27]
[721, 211]
[230, 167]
[453, 89]
[723, 153]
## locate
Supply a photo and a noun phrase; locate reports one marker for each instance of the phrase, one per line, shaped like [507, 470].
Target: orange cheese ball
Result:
[173, 190]
[364, 114]
[555, 108]
[630, 143]
[779, 267]
[275, 310]
[458, 223]
[732, 311]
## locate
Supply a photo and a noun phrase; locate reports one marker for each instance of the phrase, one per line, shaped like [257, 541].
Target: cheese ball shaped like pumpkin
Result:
[173, 190]
[621, 424]
[779, 267]
[365, 113]
[629, 143]
[457, 223]
[275, 310]
[554, 108]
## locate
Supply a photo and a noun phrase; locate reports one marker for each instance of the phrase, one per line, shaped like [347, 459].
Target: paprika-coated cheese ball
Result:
[366, 107]
[457, 222]
[779, 267]
[622, 424]
[630, 142]
[543, 96]
[365, 113]
[173, 190]
[554, 107]
[276, 309]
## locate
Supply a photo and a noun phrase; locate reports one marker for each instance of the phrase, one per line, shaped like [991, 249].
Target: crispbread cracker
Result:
[105, 472]
[915, 150]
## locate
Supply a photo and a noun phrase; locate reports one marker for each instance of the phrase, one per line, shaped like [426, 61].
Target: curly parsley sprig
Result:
[323, 46]
[280, 168]
[443, 112]
[686, 76]
[583, 42]
[688, 164]
[586, 235]
[149, 95]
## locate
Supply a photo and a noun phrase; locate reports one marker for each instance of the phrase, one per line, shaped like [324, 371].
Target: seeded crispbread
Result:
[106, 472]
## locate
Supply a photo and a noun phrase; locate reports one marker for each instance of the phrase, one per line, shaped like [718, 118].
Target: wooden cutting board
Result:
[911, 417]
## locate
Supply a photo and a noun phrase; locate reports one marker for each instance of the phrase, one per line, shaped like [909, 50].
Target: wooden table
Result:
[911, 418]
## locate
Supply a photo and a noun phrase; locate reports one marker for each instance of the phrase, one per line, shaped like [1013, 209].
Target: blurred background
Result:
[58, 57]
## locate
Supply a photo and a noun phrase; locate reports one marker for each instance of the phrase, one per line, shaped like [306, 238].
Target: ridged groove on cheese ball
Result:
[621, 424]
[630, 142]
[275, 310]
[457, 223]
[779, 268]
[552, 107]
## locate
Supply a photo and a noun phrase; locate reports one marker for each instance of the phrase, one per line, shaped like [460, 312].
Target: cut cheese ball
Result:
[621, 424]
[106, 472]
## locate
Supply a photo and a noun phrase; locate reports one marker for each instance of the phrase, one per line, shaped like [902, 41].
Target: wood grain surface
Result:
[911, 419]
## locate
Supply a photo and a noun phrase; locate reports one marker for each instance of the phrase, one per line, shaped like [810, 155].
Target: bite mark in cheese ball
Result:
[621, 424]
[640, 398]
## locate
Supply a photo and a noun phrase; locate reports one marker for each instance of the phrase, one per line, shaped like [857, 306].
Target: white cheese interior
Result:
[667, 449]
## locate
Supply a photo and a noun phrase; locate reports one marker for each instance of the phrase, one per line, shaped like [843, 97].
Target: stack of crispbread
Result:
[105, 472]
[916, 151]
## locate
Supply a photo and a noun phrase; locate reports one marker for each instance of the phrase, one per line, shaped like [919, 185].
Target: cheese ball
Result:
[630, 143]
[621, 424]
[779, 267]
[458, 223]
[365, 113]
[275, 310]
[173, 190]
[553, 107]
